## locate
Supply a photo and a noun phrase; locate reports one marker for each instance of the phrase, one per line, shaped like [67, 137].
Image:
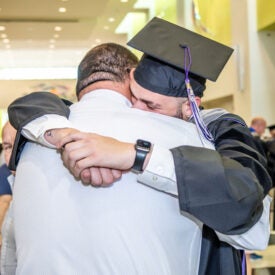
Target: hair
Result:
[258, 121]
[108, 61]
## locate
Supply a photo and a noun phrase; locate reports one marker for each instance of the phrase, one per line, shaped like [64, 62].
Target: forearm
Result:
[214, 189]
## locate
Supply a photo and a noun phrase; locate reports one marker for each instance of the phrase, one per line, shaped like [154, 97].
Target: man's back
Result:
[63, 227]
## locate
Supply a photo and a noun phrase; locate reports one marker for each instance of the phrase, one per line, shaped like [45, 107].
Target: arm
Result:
[28, 108]
[207, 216]
[37, 113]
[215, 185]
[87, 150]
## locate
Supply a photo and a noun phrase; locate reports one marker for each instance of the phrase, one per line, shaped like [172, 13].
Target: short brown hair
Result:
[108, 61]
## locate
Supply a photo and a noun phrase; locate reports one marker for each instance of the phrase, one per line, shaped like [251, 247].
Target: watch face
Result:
[143, 143]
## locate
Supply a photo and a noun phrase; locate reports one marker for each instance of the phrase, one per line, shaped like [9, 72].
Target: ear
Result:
[186, 111]
[198, 100]
[132, 74]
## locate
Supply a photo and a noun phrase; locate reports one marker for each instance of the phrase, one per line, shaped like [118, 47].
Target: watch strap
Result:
[142, 148]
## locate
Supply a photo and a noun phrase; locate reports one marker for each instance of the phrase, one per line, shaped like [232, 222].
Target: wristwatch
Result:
[142, 147]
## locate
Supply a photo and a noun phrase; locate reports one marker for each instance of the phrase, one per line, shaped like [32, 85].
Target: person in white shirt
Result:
[125, 229]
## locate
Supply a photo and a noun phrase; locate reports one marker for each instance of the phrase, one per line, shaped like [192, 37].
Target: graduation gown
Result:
[223, 188]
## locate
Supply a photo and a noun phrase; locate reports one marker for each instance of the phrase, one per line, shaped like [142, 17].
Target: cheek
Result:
[7, 155]
[168, 111]
[140, 105]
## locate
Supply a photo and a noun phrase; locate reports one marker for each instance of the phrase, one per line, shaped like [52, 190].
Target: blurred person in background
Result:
[8, 251]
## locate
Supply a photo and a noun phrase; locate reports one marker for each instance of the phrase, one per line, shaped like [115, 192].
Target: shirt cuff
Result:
[36, 129]
[160, 171]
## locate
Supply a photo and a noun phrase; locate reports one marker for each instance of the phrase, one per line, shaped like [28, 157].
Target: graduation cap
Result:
[271, 127]
[163, 44]
[177, 61]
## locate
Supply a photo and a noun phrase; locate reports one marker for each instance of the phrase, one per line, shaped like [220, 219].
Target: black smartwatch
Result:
[142, 147]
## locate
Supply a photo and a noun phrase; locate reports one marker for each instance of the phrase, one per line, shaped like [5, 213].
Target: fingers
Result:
[100, 177]
[71, 160]
[56, 136]
[109, 176]
[85, 176]
[117, 173]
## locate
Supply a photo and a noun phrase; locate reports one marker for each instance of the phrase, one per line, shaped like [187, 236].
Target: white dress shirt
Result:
[64, 227]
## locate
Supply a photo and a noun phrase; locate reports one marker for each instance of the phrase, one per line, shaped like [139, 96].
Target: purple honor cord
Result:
[203, 131]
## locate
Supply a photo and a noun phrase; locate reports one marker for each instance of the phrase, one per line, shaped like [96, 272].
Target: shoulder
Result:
[219, 115]
[4, 171]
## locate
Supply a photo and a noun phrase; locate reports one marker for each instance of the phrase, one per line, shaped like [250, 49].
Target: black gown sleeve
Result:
[224, 188]
[27, 108]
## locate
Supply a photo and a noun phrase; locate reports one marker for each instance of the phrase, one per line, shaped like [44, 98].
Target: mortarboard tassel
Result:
[203, 131]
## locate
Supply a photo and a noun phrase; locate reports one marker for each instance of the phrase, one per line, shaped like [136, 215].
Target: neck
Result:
[119, 87]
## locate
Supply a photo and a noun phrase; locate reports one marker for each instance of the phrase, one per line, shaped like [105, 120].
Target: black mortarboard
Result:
[27, 108]
[271, 127]
[161, 68]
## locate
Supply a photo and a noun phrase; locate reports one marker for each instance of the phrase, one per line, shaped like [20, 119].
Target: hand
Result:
[55, 136]
[100, 176]
[92, 150]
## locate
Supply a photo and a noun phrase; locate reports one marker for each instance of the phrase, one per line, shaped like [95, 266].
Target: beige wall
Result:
[248, 80]
[11, 89]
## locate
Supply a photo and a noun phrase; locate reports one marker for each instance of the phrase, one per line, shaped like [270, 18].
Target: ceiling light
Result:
[3, 35]
[6, 41]
[97, 40]
[52, 41]
[56, 35]
[52, 46]
[111, 19]
[123, 1]
[2, 28]
[62, 9]
[57, 28]
[106, 28]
